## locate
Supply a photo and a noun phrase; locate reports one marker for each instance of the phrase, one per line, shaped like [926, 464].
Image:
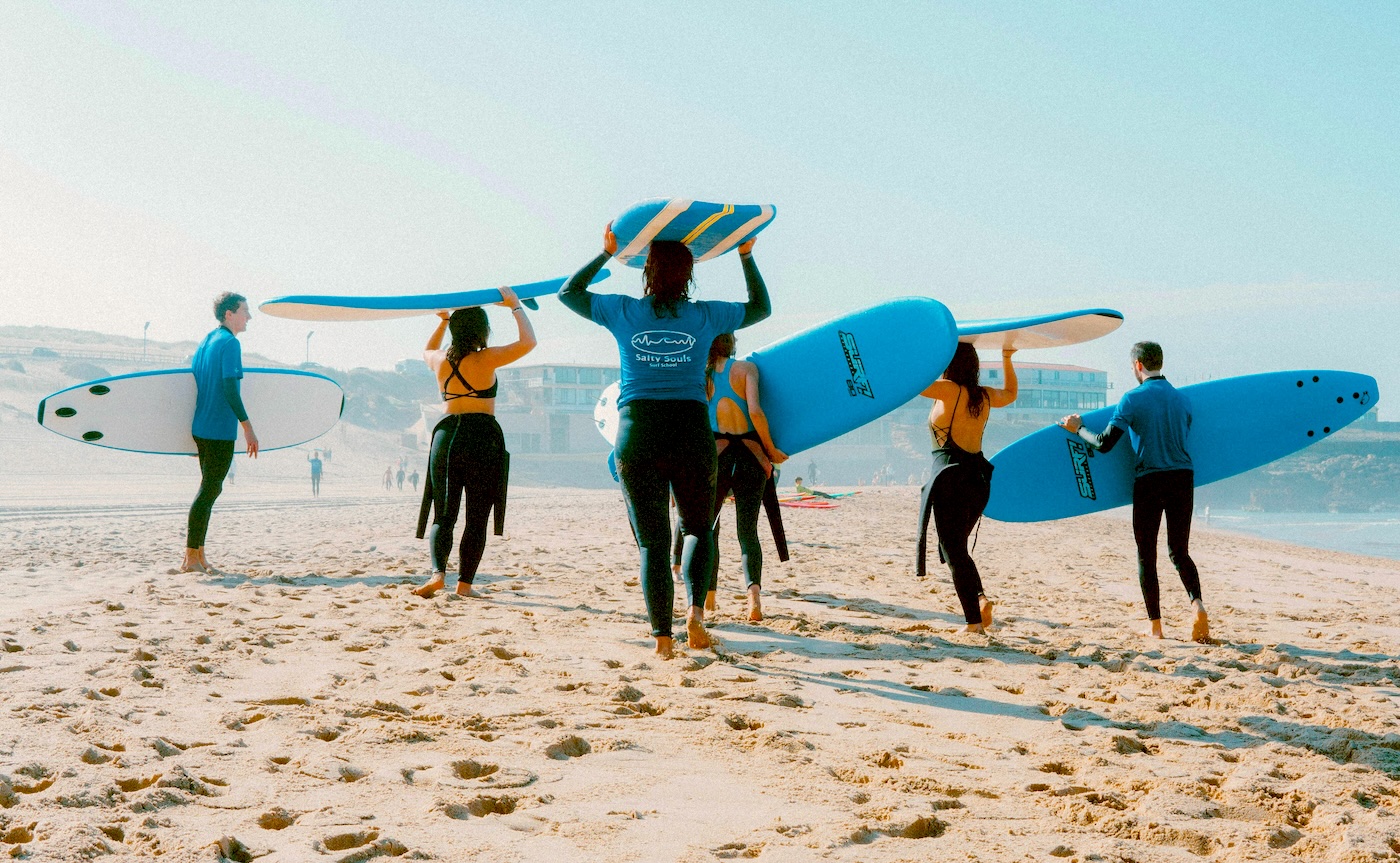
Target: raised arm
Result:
[1007, 394]
[574, 295]
[760, 419]
[435, 340]
[758, 307]
[525, 332]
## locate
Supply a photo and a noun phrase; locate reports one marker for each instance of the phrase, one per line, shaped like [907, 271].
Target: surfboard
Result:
[1237, 424]
[836, 377]
[151, 412]
[1039, 331]
[329, 307]
[708, 229]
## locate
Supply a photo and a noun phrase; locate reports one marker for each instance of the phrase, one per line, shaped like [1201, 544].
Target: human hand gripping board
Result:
[709, 230]
[1237, 424]
[151, 412]
[1039, 331]
[835, 377]
[328, 307]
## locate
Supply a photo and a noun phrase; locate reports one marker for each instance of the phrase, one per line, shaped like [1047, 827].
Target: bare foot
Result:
[433, 586]
[465, 590]
[986, 612]
[755, 605]
[1154, 630]
[975, 628]
[676, 573]
[710, 601]
[193, 566]
[1200, 627]
[695, 629]
[665, 647]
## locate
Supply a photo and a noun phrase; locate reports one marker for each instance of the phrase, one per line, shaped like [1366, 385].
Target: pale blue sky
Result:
[1224, 174]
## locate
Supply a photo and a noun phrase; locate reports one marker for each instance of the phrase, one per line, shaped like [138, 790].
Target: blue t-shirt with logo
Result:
[1157, 418]
[664, 357]
[218, 357]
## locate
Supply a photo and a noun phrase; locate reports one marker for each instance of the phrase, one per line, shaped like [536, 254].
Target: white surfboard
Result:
[1039, 331]
[151, 412]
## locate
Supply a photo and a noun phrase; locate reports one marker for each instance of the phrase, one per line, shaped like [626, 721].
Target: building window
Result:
[566, 376]
[590, 376]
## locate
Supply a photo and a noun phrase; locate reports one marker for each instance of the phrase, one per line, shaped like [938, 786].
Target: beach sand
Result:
[309, 708]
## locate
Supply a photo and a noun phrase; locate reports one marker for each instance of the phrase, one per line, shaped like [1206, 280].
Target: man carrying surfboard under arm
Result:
[218, 411]
[1157, 418]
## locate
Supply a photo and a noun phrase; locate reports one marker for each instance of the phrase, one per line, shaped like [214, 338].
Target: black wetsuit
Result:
[467, 456]
[955, 495]
[740, 471]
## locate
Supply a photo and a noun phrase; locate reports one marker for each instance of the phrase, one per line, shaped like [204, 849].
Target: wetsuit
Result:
[664, 444]
[1157, 418]
[315, 477]
[467, 455]
[744, 468]
[218, 409]
[955, 496]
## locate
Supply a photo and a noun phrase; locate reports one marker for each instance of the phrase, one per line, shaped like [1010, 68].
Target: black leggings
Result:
[741, 472]
[215, 457]
[1171, 492]
[467, 456]
[665, 447]
[955, 497]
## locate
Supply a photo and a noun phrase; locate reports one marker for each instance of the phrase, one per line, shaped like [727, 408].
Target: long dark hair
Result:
[668, 275]
[469, 329]
[964, 370]
[720, 348]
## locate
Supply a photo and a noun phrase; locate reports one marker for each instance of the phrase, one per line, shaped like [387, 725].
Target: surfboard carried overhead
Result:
[151, 412]
[1039, 331]
[708, 229]
[1237, 424]
[329, 307]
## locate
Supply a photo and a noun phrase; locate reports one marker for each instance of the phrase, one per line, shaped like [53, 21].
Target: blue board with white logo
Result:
[708, 229]
[1237, 424]
[331, 307]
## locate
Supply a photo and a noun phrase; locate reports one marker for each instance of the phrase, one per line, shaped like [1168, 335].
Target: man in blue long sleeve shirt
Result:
[1157, 418]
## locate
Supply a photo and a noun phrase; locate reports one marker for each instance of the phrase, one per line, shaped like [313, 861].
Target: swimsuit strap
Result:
[948, 432]
[471, 391]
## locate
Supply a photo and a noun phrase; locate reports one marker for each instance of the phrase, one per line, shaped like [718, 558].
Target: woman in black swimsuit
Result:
[468, 453]
[957, 492]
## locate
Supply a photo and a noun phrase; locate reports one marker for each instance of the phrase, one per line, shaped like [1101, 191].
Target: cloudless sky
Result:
[1224, 174]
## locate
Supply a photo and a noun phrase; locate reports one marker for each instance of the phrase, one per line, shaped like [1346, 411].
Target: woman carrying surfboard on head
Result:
[746, 455]
[467, 453]
[664, 442]
[962, 477]
[218, 411]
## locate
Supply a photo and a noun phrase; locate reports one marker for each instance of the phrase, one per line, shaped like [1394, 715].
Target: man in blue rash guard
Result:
[664, 443]
[1157, 418]
[218, 411]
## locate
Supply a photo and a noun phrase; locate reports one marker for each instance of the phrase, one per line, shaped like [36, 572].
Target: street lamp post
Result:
[143, 340]
[309, 334]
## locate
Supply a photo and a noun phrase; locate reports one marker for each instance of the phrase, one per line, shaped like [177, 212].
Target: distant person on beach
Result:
[315, 459]
[745, 457]
[812, 470]
[961, 482]
[401, 478]
[1157, 418]
[664, 442]
[798, 487]
[468, 452]
[413, 479]
[218, 411]
[389, 478]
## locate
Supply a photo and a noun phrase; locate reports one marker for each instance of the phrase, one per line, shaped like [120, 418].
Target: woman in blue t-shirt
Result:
[664, 443]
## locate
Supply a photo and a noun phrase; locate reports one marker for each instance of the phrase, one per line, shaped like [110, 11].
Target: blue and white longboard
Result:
[1237, 424]
[151, 412]
[708, 229]
[1039, 331]
[328, 307]
[836, 377]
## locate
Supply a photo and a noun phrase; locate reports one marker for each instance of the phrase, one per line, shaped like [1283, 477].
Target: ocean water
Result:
[1376, 534]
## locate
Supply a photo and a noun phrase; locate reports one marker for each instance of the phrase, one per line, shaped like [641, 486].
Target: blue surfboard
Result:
[820, 383]
[1039, 331]
[708, 229]
[328, 307]
[1237, 424]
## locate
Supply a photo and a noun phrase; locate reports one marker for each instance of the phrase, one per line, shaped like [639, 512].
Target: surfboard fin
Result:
[532, 304]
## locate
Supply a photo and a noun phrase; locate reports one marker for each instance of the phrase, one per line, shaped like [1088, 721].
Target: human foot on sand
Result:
[975, 628]
[1200, 626]
[755, 604]
[665, 647]
[434, 584]
[710, 601]
[1154, 629]
[695, 629]
[986, 611]
[464, 589]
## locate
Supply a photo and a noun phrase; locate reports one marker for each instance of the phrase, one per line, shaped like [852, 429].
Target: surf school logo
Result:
[663, 343]
[1079, 458]
[858, 384]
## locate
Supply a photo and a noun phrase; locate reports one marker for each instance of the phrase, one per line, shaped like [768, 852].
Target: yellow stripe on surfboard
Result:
[705, 225]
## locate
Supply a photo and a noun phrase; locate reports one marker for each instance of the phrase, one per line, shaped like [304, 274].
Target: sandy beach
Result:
[308, 707]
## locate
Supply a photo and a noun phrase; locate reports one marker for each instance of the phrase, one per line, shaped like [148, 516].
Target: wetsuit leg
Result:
[640, 451]
[1147, 521]
[215, 457]
[749, 479]
[925, 510]
[724, 476]
[693, 469]
[447, 495]
[481, 477]
[959, 496]
[1178, 500]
